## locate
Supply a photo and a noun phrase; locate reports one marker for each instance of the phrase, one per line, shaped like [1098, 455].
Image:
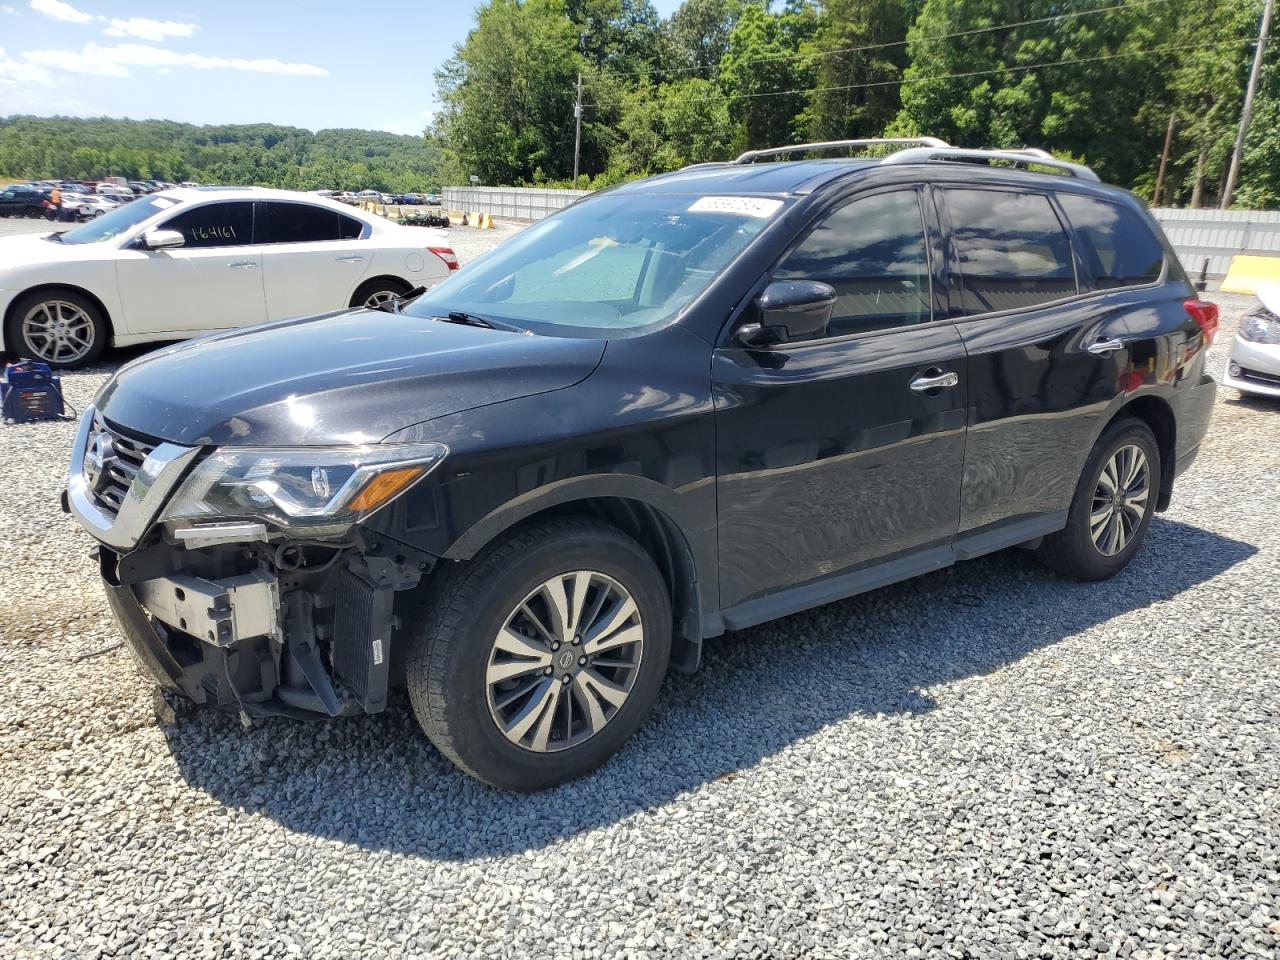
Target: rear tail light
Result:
[451, 261]
[1205, 314]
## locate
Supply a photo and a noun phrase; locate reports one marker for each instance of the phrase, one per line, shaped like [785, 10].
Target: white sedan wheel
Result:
[58, 331]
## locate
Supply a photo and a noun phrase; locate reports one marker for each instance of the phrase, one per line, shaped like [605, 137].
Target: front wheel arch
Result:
[686, 564]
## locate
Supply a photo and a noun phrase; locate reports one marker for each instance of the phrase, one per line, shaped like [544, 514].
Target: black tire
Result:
[19, 343]
[1072, 550]
[378, 285]
[466, 606]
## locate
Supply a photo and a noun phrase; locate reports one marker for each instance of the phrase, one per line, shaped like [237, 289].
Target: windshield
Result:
[118, 221]
[615, 262]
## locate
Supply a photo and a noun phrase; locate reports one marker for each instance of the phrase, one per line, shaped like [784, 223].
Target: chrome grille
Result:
[127, 452]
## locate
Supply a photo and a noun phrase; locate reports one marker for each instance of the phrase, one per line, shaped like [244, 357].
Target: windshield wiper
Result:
[474, 320]
[395, 303]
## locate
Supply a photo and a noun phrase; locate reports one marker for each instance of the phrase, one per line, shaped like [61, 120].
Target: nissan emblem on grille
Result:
[97, 459]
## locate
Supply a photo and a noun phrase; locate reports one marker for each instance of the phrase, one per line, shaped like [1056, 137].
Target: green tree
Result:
[668, 126]
[508, 92]
[858, 94]
[263, 154]
[699, 32]
[1094, 86]
[762, 76]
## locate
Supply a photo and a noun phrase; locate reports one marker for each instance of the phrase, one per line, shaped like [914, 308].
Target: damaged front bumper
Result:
[240, 612]
[303, 630]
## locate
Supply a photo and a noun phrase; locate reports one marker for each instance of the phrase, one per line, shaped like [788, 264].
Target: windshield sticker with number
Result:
[761, 207]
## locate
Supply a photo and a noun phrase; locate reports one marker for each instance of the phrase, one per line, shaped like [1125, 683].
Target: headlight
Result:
[1261, 326]
[316, 489]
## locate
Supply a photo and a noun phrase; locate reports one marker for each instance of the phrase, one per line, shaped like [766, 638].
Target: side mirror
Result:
[160, 239]
[790, 310]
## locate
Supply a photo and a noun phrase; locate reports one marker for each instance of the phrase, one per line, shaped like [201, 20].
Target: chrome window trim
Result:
[155, 480]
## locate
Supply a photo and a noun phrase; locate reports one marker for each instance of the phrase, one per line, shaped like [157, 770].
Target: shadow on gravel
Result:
[376, 782]
[1253, 401]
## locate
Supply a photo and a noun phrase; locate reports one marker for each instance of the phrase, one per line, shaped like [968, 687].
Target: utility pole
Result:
[1164, 161]
[1234, 173]
[577, 128]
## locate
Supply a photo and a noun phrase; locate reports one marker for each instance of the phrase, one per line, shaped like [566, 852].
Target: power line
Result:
[972, 73]
[820, 54]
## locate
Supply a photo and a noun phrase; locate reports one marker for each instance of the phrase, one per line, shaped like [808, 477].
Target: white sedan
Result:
[86, 206]
[185, 262]
[1254, 365]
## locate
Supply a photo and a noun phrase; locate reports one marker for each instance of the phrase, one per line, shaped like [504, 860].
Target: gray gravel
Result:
[986, 762]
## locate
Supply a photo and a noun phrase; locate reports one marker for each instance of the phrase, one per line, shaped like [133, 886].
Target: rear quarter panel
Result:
[1169, 353]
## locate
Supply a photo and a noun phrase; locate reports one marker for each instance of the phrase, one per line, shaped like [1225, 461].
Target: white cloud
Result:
[16, 73]
[144, 28]
[115, 61]
[5, 8]
[57, 10]
[147, 29]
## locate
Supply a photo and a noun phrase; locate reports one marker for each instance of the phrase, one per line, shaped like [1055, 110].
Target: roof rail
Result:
[752, 155]
[1032, 156]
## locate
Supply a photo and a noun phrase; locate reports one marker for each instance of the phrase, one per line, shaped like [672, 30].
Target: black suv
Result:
[681, 406]
[22, 200]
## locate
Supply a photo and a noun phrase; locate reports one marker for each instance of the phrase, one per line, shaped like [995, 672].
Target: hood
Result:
[350, 377]
[31, 248]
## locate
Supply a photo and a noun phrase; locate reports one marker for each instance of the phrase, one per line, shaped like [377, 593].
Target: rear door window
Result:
[1010, 249]
[301, 223]
[215, 225]
[1120, 249]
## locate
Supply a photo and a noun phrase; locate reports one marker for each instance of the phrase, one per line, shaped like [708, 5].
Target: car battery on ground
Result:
[29, 390]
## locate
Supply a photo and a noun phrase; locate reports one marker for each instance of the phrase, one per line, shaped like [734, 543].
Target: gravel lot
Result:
[986, 762]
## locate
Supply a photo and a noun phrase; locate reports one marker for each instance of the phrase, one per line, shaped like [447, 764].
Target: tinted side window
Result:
[872, 250]
[215, 225]
[1012, 250]
[1120, 247]
[349, 228]
[295, 223]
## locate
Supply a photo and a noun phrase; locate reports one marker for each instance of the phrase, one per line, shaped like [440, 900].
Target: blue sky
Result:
[315, 64]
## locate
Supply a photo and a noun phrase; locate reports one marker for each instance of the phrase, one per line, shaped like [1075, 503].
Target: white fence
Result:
[1196, 235]
[1217, 235]
[521, 203]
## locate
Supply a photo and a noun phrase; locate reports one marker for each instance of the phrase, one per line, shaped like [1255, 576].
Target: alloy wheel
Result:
[379, 297]
[58, 331]
[1119, 500]
[565, 661]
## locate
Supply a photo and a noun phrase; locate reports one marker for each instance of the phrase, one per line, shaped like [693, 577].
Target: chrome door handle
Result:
[1101, 348]
[925, 384]
[242, 264]
[350, 258]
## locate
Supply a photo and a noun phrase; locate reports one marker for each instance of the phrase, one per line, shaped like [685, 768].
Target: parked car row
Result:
[79, 200]
[377, 196]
